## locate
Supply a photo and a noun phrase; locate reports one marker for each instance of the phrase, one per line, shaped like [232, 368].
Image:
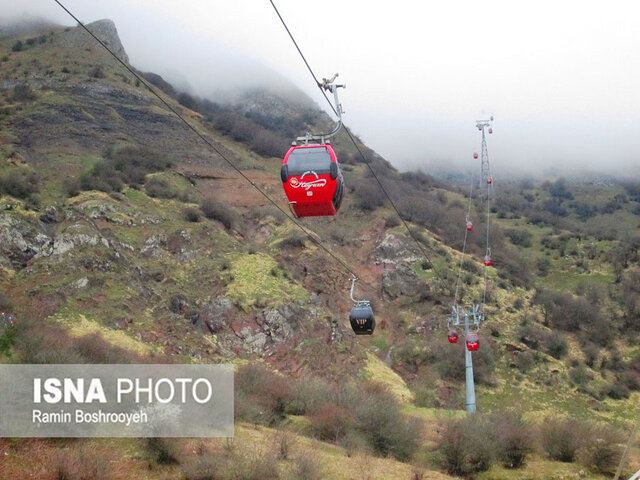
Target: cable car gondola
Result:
[361, 317]
[487, 261]
[475, 156]
[310, 174]
[312, 180]
[452, 336]
[362, 320]
[473, 342]
[469, 225]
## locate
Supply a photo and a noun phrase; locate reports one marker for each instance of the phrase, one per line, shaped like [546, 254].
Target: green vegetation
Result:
[257, 281]
[126, 165]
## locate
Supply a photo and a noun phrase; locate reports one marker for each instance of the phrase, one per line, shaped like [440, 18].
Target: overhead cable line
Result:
[375, 176]
[485, 176]
[214, 148]
[464, 243]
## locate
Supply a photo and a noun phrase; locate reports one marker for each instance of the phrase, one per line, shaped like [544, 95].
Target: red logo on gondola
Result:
[318, 182]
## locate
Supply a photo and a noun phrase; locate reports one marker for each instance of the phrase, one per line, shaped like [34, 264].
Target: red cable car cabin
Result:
[487, 261]
[312, 180]
[469, 226]
[452, 336]
[473, 342]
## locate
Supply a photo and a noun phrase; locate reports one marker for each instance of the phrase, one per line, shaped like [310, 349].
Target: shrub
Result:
[513, 440]
[5, 303]
[17, 46]
[464, 446]
[163, 451]
[202, 468]
[519, 237]
[97, 72]
[284, 443]
[294, 239]
[307, 467]
[95, 349]
[369, 194]
[71, 187]
[602, 451]
[159, 188]
[617, 390]
[120, 166]
[331, 422]
[191, 214]
[70, 464]
[23, 93]
[263, 467]
[579, 375]
[470, 266]
[525, 361]
[562, 438]
[391, 221]
[557, 346]
[215, 209]
[188, 101]
[379, 419]
[20, 183]
[261, 395]
[356, 416]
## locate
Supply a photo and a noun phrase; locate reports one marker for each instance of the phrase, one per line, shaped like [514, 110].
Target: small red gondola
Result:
[475, 156]
[312, 180]
[487, 261]
[490, 130]
[469, 226]
[489, 181]
[452, 336]
[473, 342]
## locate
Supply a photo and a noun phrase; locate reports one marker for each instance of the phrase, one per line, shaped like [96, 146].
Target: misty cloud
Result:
[562, 86]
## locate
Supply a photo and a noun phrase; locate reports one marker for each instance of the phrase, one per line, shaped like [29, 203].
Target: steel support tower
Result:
[469, 318]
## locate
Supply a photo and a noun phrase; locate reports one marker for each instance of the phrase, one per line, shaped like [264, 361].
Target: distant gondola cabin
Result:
[452, 336]
[473, 342]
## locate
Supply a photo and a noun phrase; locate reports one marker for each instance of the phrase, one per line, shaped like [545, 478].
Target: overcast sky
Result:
[562, 78]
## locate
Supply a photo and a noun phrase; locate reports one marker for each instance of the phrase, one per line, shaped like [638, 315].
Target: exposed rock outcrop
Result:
[20, 241]
[105, 30]
[215, 315]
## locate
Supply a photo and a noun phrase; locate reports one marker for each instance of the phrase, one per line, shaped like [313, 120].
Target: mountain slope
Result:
[100, 270]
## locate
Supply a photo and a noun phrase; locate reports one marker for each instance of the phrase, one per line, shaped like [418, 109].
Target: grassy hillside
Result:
[123, 238]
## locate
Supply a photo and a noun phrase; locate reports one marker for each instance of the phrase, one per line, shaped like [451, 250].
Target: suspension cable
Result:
[138, 77]
[488, 247]
[486, 177]
[365, 161]
[464, 243]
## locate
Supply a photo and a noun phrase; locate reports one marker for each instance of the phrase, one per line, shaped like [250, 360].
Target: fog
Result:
[561, 78]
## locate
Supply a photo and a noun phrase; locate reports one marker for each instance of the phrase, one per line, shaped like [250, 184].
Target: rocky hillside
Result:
[124, 238]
